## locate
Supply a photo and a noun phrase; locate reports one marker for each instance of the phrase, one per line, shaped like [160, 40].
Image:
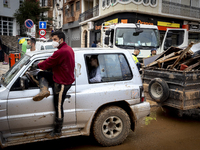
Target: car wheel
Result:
[158, 90]
[111, 126]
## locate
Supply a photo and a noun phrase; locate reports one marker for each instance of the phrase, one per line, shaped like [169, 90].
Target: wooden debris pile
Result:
[177, 59]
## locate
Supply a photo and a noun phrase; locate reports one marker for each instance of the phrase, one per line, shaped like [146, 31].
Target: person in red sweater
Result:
[62, 64]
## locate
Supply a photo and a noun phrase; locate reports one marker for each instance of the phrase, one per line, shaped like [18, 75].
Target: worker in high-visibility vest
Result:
[134, 55]
[153, 52]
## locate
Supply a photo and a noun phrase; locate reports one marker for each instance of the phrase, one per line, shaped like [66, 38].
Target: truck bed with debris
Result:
[173, 78]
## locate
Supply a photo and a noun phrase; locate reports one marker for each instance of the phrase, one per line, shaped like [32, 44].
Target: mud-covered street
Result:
[161, 130]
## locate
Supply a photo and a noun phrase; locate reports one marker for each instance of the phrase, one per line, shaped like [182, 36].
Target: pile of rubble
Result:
[186, 59]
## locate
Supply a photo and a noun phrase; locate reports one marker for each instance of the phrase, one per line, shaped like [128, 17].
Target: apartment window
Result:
[113, 1]
[137, 1]
[146, 1]
[6, 3]
[43, 2]
[103, 3]
[125, 0]
[66, 11]
[108, 2]
[195, 3]
[72, 10]
[6, 26]
[20, 2]
[78, 6]
[153, 2]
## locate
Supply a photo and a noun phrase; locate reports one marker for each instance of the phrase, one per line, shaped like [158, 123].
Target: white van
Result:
[44, 46]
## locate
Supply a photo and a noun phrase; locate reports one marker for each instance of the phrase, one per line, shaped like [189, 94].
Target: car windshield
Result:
[147, 39]
[49, 47]
[11, 73]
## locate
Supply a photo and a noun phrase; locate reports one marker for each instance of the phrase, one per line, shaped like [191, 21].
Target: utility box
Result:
[13, 58]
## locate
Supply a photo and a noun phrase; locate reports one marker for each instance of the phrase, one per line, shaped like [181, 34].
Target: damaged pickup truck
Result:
[107, 109]
[172, 79]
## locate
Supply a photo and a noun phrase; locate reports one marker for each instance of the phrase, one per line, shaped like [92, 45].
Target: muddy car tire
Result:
[158, 90]
[111, 126]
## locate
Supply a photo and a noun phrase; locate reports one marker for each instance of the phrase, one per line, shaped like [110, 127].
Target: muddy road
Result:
[161, 130]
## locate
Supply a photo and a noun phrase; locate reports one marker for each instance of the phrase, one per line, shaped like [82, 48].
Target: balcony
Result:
[70, 19]
[180, 9]
[89, 14]
[70, 1]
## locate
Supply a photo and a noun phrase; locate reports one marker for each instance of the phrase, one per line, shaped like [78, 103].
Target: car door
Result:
[26, 115]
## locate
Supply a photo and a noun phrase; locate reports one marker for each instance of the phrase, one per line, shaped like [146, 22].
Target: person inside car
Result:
[95, 73]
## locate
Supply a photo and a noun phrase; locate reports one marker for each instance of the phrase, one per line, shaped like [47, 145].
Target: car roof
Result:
[81, 50]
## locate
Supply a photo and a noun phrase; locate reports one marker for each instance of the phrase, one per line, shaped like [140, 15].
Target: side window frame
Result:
[87, 61]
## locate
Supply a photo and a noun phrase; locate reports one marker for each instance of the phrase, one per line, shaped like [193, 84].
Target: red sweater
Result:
[62, 63]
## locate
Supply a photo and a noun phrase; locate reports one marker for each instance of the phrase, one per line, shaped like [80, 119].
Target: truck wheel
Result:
[111, 126]
[158, 90]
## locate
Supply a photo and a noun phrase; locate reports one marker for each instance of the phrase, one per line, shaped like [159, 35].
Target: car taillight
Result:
[141, 94]
[142, 99]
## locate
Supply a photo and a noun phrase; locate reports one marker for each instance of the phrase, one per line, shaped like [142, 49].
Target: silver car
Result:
[107, 109]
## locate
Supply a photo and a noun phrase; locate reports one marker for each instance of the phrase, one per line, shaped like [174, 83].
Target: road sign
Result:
[42, 25]
[42, 37]
[42, 32]
[29, 23]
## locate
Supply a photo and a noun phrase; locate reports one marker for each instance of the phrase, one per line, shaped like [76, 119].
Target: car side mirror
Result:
[23, 83]
[106, 40]
[169, 34]
[107, 32]
[168, 43]
[20, 84]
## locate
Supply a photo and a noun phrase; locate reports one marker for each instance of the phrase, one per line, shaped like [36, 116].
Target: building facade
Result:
[163, 13]
[71, 27]
[8, 25]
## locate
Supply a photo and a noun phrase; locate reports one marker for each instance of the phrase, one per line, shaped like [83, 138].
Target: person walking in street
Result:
[153, 52]
[134, 55]
[94, 44]
[30, 45]
[62, 63]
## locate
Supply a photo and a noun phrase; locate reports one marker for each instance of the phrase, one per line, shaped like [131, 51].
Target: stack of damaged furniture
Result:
[173, 77]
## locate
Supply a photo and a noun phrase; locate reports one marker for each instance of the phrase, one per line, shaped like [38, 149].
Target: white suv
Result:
[107, 109]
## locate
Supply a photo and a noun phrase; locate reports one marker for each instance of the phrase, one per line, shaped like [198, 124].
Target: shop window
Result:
[109, 68]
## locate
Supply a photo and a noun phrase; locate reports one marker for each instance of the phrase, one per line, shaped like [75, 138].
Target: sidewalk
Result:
[3, 68]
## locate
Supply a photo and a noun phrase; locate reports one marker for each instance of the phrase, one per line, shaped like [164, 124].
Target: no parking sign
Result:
[29, 23]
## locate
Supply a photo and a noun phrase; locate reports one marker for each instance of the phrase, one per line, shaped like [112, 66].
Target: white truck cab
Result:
[109, 108]
[144, 37]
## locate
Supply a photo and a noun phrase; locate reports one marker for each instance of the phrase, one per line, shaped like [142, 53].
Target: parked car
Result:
[107, 109]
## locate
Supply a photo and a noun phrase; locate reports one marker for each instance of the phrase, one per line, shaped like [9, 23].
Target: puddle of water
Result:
[150, 118]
